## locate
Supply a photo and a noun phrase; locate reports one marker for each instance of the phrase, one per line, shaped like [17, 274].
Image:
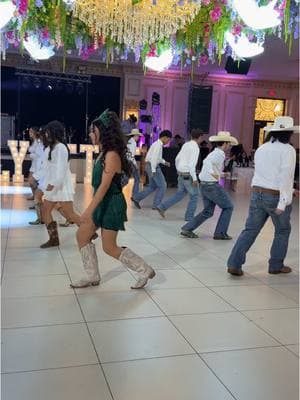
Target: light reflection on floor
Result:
[15, 190]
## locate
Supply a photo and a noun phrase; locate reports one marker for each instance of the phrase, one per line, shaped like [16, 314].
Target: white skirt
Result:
[65, 192]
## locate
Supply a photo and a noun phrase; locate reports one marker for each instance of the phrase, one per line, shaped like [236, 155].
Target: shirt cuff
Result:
[281, 205]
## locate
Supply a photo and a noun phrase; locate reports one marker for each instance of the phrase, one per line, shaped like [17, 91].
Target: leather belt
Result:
[186, 174]
[208, 183]
[259, 189]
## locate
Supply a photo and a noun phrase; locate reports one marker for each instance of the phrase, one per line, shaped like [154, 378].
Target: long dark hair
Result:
[281, 136]
[55, 131]
[43, 136]
[113, 139]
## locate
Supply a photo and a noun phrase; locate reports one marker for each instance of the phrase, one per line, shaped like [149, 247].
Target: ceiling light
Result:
[160, 63]
[36, 50]
[7, 9]
[241, 47]
[257, 17]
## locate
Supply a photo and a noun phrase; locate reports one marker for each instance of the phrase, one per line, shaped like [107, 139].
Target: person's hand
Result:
[49, 188]
[167, 164]
[86, 216]
[278, 211]
[195, 183]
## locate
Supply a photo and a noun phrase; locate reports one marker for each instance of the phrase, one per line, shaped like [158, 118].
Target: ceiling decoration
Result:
[189, 32]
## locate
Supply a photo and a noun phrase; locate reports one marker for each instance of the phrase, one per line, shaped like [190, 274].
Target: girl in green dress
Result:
[107, 210]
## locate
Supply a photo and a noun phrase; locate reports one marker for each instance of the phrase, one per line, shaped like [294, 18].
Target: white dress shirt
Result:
[213, 164]
[154, 155]
[187, 158]
[131, 145]
[274, 169]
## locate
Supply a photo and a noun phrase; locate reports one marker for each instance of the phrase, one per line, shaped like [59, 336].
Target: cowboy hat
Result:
[134, 132]
[282, 124]
[224, 136]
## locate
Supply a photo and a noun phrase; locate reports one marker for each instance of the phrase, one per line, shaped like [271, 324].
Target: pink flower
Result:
[214, 16]
[203, 59]
[45, 33]
[205, 2]
[236, 30]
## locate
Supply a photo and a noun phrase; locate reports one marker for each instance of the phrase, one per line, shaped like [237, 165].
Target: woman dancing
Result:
[58, 182]
[107, 210]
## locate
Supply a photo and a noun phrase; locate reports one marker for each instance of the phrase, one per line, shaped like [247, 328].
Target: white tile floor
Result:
[194, 333]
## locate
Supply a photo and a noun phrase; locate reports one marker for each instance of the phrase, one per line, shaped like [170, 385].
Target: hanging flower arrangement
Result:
[202, 30]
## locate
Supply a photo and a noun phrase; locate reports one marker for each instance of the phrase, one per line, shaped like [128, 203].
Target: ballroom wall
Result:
[233, 103]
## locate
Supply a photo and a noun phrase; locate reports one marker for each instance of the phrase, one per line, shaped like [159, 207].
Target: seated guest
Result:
[244, 160]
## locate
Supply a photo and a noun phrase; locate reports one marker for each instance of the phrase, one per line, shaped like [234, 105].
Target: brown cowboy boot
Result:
[53, 236]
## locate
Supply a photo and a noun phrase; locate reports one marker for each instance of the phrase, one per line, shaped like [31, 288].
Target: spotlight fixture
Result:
[37, 83]
[25, 82]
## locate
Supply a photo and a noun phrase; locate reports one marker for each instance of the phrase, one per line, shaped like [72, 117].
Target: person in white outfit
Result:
[134, 136]
[58, 182]
[186, 162]
[272, 196]
[157, 182]
[35, 151]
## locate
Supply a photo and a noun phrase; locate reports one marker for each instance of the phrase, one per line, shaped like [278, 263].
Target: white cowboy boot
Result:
[90, 264]
[137, 264]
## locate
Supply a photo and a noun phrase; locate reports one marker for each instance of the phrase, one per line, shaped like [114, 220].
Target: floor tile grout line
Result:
[187, 341]
[89, 333]
[48, 369]
[97, 321]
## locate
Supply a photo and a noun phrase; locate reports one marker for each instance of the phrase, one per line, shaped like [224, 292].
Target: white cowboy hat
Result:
[224, 136]
[282, 124]
[134, 132]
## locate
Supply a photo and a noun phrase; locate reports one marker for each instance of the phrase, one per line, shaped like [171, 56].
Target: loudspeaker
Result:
[199, 107]
[146, 119]
[240, 67]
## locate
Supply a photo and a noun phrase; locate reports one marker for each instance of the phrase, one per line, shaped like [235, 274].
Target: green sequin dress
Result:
[111, 211]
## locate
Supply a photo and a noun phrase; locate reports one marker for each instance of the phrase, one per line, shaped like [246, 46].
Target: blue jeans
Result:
[213, 195]
[185, 186]
[136, 184]
[263, 206]
[157, 183]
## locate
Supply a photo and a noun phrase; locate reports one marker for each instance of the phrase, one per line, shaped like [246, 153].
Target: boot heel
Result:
[152, 275]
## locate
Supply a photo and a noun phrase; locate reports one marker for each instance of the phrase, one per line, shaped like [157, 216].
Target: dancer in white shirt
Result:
[212, 193]
[156, 178]
[186, 162]
[134, 136]
[58, 182]
[272, 194]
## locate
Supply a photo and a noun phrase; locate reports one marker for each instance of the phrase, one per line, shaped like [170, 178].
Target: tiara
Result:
[104, 118]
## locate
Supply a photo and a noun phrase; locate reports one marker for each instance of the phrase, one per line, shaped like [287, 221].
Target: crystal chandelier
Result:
[135, 25]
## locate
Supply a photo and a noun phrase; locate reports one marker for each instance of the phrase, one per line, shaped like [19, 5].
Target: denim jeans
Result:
[136, 184]
[185, 186]
[157, 183]
[263, 206]
[213, 194]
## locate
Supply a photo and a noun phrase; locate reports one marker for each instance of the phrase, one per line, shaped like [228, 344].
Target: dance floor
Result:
[194, 333]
